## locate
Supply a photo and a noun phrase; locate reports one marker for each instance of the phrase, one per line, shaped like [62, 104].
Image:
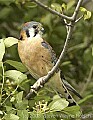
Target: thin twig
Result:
[40, 82]
[88, 80]
[65, 21]
[51, 10]
[79, 19]
[10, 95]
[74, 16]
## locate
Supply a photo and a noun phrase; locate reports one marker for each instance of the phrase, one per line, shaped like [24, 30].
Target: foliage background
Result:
[77, 64]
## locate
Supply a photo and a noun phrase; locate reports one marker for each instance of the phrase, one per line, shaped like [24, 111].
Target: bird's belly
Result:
[36, 58]
[38, 69]
[37, 66]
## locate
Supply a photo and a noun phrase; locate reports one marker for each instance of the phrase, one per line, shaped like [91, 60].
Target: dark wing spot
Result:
[53, 55]
[44, 44]
[27, 33]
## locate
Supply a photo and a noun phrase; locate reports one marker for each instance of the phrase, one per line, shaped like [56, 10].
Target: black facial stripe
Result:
[36, 31]
[27, 33]
[21, 37]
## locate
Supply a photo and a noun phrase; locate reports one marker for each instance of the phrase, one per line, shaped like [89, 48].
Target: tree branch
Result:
[51, 10]
[40, 82]
[79, 19]
[74, 16]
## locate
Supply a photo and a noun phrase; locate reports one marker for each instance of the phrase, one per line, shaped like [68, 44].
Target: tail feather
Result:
[68, 96]
[70, 88]
[67, 87]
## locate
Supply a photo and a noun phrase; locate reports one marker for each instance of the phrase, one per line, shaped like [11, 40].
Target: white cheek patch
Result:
[32, 33]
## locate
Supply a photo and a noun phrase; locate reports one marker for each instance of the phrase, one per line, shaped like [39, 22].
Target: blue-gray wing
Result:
[51, 51]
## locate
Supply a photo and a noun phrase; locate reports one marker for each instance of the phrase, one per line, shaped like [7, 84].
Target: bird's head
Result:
[30, 30]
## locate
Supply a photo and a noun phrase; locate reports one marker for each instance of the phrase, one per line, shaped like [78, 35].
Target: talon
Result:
[41, 86]
[33, 89]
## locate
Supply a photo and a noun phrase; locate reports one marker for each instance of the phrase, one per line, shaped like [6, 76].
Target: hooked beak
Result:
[42, 30]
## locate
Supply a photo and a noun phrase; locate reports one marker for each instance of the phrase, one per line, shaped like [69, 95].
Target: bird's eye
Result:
[35, 26]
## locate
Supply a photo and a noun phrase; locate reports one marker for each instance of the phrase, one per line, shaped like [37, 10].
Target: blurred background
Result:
[77, 64]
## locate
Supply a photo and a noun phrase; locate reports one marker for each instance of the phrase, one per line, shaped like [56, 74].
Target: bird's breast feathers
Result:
[35, 56]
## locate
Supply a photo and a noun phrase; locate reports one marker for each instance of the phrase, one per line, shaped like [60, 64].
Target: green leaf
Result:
[23, 114]
[15, 75]
[64, 6]
[30, 4]
[82, 9]
[56, 7]
[19, 97]
[8, 108]
[10, 41]
[18, 65]
[55, 97]
[11, 117]
[87, 14]
[2, 49]
[22, 105]
[58, 104]
[73, 111]
[66, 63]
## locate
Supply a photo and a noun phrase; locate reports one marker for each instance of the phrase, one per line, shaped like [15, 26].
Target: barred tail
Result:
[68, 96]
